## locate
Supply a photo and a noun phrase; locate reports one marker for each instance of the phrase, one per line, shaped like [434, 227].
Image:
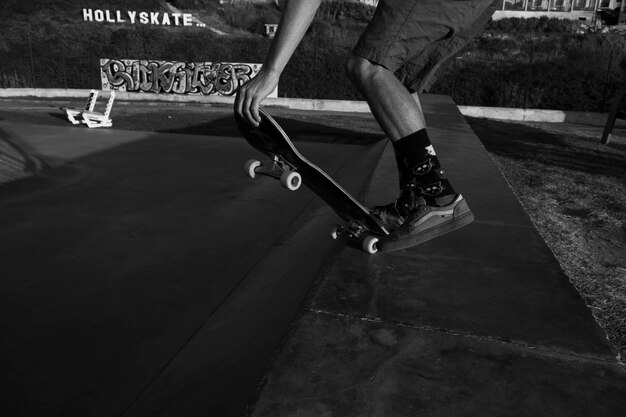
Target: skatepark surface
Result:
[145, 275]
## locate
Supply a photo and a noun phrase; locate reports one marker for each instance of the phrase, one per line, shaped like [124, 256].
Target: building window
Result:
[560, 5]
[538, 5]
[588, 5]
[514, 4]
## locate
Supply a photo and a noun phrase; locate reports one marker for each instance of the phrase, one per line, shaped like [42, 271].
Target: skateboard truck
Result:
[278, 169]
[358, 233]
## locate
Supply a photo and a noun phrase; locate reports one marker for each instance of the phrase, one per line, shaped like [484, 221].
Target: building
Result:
[270, 29]
[562, 9]
[368, 2]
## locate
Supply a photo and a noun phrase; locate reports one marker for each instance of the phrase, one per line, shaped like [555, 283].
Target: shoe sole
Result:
[419, 238]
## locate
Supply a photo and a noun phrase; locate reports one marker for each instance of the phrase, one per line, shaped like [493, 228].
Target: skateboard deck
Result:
[291, 167]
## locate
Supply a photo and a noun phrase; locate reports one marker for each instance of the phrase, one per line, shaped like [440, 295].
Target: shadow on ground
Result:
[59, 116]
[298, 130]
[300, 125]
[573, 187]
[522, 142]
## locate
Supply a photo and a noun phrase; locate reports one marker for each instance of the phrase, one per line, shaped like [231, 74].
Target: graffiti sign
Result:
[175, 77]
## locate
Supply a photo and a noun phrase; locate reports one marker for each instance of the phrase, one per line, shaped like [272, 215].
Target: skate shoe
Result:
[425, 222]
[393, 215]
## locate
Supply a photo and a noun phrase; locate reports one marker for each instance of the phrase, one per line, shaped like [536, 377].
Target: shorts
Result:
[414, 38]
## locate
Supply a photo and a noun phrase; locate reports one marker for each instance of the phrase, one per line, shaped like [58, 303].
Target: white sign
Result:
[134, 17]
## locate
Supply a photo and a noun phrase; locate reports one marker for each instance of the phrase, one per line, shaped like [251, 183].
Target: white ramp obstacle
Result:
[98, 119]
[72, 114]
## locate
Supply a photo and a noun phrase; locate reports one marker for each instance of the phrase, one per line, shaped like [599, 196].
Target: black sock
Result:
[420, 168]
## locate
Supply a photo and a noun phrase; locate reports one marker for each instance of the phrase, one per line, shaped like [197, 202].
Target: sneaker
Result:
[393, 215]
[427, 222]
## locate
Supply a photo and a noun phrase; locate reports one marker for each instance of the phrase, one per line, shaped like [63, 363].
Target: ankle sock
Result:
[420, 169]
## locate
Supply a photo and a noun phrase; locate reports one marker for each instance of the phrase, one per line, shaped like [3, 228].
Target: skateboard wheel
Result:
[336, 232]
[369, 244]
[250, 168]
[291, 180]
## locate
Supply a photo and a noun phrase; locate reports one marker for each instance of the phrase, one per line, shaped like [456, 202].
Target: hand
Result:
[250, 95]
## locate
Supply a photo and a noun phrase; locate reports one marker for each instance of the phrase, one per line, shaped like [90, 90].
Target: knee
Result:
[360, 70]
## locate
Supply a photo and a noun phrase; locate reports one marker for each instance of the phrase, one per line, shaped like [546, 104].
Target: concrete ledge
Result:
[480, 322]
[348, 106]
[535, 115]
[281, 102]
[584, 15]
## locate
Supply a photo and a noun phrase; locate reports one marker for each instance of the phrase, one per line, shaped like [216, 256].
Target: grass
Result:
[574, 189]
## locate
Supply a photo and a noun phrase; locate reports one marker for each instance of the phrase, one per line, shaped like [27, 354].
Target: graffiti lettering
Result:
[202, 78]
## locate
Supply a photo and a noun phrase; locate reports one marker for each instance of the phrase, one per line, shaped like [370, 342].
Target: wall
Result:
[575, 15]
[176, 77]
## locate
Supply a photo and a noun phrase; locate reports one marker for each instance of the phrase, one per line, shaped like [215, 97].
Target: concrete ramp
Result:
[144, 275]
[480, 322]
[152, 277]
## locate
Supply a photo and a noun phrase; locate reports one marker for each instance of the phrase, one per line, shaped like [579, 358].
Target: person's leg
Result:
[428, 206]
[393, 106]
[402, 48]
[400, 116]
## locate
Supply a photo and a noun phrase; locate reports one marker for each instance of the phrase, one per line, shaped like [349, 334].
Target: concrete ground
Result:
[143, 274]
[482, 322]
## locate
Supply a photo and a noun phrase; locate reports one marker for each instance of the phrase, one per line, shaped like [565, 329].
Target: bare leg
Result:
[400, 115]
[396, 110]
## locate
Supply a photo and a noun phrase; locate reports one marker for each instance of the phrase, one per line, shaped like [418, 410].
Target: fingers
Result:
[239, 103]
[239, 97]
[254, 112]
[247, 110]
[251, 94]
[247, 105]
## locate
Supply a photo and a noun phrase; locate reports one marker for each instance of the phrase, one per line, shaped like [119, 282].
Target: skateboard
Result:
[292, 169]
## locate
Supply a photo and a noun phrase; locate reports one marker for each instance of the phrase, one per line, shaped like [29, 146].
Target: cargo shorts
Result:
[415, 38]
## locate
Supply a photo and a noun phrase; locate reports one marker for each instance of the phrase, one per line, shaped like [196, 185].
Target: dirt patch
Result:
[574, 189]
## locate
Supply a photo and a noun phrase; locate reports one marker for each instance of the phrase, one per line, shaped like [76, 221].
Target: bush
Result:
[249, 17]
[195, 4]
[533, 25]
[555, 70]
[9, 8]
[564, 72]
[342, 9]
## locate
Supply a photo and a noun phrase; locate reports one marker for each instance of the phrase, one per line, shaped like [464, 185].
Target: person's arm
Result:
[294, 22]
